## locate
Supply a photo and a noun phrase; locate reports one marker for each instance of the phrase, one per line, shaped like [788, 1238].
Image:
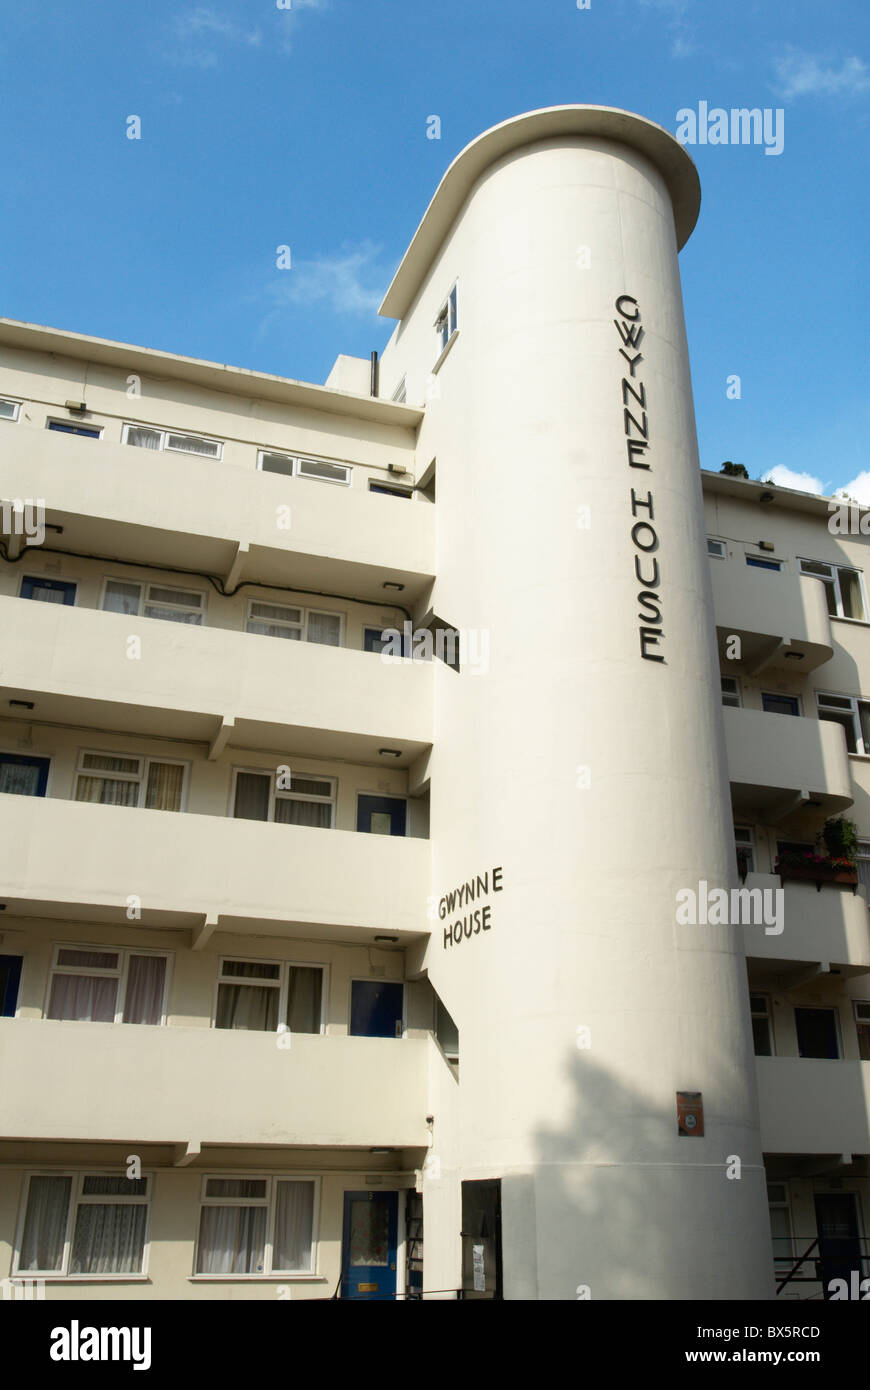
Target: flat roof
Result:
[213, 376]
[608, 122]
[750, 490]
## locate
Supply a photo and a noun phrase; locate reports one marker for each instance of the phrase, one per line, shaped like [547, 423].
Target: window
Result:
[10, 978]
[124, 779]
[759, 563]
[862, 1027]
[153, 601]
[9, 409]
[817, 1033]
[297, 624]
[447, 323]
[400, 393]
[744, 841]
[146, 437]
[262, 1225]
[446, 1032]
[863, 862]
[780, 1223]
[730, 692]
[389, 490]
[48, 590]
[64, 427]
[23, 776]
[780, 704]
[310, 800]
[270, 996]
[762, 1025]
[843, 588]
[324, 470]
[716, 548]
[83, 1224]
[92, 984]
[854, 717]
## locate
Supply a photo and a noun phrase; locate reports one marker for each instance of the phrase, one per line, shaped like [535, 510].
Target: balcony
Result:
[810, 1106]
[777, 616]
[81, 862]
[778, 763]
[323, 701]
[831, 926]
[111, 500]
[118, 1082]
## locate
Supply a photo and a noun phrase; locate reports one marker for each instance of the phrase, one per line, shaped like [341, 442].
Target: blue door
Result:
[381, 815]
[48, 590]
[10, 975]
[376, 1008]
[23, 776]
[368, 1247]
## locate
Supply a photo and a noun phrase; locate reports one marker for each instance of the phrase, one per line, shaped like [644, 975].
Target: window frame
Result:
[737, 702]
[164, 445]
[145, 760]
[796, 700]
[77, 1198]
[767, 1015]
[144, 586]
[835, 581]
[49, 582]
[838, 1030]
[58, 426]
[303, 624]
[763, 562]
[271, 1179]
[281, 984]
[748, 846]
[386, 489]
[296, 460]
[276, 792]
[400, 395]
[717, 554]
[11, 400]
[448, 316]
[121, 975]
[784, 1205]
[862, 745]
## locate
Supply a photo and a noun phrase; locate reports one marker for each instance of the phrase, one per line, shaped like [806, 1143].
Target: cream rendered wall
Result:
[526, 424]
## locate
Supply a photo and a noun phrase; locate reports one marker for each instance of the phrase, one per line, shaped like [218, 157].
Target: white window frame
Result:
[145, 586]
[303, 623]
[784, 1205]
[297, 467]
[77, 1199]
[270, 1203]
[8, 400]
[763, 562]
[721, 553]
[118, 973]
[737, 701]
[400, 394]
[281, 984]
[833, 580]
[863, 857]
[166, 434]
[145, 760]
[447, 322]
[766, 1013]
[862, 745]
[75, 423]
[276, 793]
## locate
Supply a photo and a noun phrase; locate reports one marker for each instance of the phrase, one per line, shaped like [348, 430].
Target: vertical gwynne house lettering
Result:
[636, 426]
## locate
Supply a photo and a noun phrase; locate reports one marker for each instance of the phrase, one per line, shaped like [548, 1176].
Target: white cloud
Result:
[858, 489]
[351, 282]
[781, 476]
[800, 74]
[200, 33]
[682, 35]
[288, 18]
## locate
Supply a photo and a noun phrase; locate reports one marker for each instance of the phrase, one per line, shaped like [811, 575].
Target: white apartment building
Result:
[338, 963]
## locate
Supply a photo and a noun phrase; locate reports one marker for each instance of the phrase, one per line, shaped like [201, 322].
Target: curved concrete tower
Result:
[578, 781]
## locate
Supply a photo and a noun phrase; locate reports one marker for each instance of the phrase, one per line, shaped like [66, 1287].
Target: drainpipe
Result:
[374, 379]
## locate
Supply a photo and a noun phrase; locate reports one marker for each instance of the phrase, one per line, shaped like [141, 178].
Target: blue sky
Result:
[305, 125]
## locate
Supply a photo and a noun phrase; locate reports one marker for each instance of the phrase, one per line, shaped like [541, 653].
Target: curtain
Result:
[45, 1223]
[47, 595]
[146, 976]
[142, 438]
[108, 791]
[83, 998]
[303, 999]
[324, 628]
[163, 789]
[250, 1007]
[172, 615]
[109, 1238]
[252, 796]
[121, 598]
[232, 1240]
[289, 812]
[294, 1222]
[19, 779]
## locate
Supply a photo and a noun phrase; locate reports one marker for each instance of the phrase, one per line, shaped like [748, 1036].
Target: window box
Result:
[822, 871]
